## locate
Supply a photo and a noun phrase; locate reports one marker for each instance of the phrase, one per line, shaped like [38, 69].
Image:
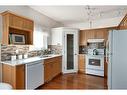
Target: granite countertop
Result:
[28, 60]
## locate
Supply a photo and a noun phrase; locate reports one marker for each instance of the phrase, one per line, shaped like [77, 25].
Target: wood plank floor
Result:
[76, 81]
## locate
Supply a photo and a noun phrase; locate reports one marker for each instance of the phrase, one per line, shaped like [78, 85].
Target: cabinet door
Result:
[90, 34]
[56, 66]
[81, 63]
[99, 34]
[14, 75]
[6, 74]
[15, 21]
[85, 35]
[82, 37]
[27, 25]
[20, 23]
[20, 77]
[47, 72]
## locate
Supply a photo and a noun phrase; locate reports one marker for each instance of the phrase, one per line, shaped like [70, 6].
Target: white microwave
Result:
[18, 39]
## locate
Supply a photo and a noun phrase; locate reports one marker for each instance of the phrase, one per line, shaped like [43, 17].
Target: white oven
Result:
[95, 63]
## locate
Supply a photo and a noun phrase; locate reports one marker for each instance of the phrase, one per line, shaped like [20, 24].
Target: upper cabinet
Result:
[85, 35]
[57, 36]
[102, 34]
[123, 23]
[15, 24]
[92, 34]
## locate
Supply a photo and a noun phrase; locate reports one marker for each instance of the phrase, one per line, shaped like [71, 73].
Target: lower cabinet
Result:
[105, 68]
[14, 75]
[81, 63]
[52, 67]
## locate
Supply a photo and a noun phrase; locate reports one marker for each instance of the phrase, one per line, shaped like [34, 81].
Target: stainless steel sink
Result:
[45, 56]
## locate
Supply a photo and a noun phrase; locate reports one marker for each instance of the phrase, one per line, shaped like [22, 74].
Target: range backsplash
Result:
[83, 49]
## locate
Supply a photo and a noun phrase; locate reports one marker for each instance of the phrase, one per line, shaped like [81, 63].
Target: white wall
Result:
[110, 22]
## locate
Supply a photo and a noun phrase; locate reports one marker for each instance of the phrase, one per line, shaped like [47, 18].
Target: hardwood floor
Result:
[76, 81]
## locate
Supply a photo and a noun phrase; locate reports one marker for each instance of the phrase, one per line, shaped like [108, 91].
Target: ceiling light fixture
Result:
[90, 16]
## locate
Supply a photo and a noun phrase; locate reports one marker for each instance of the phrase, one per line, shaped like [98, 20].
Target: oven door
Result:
[95, 62]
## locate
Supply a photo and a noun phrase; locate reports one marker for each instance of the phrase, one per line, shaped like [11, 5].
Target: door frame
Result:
[75, 53]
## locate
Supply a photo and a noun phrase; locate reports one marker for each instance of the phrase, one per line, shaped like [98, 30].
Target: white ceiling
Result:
[81, 14]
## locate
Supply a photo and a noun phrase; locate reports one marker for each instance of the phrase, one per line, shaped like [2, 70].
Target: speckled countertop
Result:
[28, 60]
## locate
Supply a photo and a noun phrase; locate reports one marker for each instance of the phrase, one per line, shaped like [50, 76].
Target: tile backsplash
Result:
[8, 50]
[56, 49]
[83, 49]
[96, 45]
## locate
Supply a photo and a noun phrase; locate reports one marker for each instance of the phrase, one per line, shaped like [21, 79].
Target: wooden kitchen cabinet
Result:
[101, 33]
[57, 66]
[14, 75]
[27, 24]
[81, 63]
[90, 34]
[105, 68]
[15, 21]
[52, 67]
[16, 24]
[85, 35]
[47, 71]
[82, 38]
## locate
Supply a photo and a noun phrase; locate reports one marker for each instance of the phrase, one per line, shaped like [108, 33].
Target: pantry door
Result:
[70, 52]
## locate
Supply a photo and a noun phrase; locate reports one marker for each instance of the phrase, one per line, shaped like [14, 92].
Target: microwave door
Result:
[18, 39]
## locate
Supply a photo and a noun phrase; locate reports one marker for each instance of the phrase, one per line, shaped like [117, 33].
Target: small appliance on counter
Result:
[25, 56]
[20, 56]
[13, 57]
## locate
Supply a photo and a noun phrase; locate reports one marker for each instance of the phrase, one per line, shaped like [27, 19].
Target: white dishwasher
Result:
[34, 74]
